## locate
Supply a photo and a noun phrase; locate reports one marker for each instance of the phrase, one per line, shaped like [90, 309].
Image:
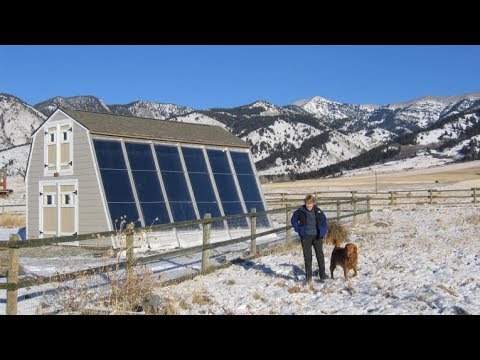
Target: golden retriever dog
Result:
[346, 257]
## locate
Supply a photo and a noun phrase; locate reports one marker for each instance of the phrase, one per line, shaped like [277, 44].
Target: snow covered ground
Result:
[412, 260]
[423, 260]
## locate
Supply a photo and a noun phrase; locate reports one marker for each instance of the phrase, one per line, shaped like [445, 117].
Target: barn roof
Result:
[154, 129]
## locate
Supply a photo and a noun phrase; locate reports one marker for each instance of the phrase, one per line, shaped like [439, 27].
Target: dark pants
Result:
[307, 243]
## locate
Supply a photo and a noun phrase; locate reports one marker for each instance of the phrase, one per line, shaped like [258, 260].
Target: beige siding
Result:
[92, 217]
[34, 175]
[59, 116]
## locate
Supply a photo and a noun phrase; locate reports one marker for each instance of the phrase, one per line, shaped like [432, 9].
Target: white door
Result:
[58, 208]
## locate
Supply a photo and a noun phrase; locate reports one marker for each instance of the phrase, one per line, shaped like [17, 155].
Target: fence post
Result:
[353, 194]
[391, 198]
[474, 195]
[253, 231]
[129, 233]
[12, 277]
[368, 209]
[354, 211]
[287, 222]
[338, 209]
[206, 242]
[430, 195]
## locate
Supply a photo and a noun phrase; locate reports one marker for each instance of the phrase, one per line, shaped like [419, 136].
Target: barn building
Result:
[87, 172]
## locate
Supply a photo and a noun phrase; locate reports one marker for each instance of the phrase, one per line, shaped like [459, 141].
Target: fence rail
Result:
[382, 198]
[16, 208]
[13, 245]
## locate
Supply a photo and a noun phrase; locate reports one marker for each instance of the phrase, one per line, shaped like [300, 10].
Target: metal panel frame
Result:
[132, 183]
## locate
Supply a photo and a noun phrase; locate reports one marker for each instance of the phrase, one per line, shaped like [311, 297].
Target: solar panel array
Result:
[155, 184]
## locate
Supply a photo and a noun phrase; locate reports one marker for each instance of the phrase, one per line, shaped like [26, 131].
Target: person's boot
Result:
[323, 277]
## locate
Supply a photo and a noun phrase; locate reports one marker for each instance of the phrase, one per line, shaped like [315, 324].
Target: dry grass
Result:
[312, 288]
[258, 296]
[168, 307]
[295, 289]
[12, 220]
[328, 289]
[336, 234]
[4, 267]
[473, 219]
[445, 174]
[69, 296]
[120, 296]
[422, 297]
[230, 282]
[201, 297]
[447, 289]
[184, 304]
[129, 294]
[291, 247]
[228, 311]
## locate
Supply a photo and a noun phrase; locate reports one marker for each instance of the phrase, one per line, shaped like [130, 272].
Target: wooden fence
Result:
[16, 208]
[385, 198]
[13, 245]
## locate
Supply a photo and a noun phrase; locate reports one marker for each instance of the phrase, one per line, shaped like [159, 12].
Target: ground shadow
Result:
[248, 264]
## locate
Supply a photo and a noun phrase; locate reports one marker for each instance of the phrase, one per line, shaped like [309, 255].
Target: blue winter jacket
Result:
[299, 221]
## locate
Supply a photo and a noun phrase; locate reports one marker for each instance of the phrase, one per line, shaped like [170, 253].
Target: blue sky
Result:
[227, 76]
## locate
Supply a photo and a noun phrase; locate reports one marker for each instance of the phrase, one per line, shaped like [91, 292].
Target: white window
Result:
[66, 199]
[58, 152]
[49, 199]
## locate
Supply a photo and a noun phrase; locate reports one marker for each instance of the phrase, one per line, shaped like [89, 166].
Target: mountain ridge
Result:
[294, 139]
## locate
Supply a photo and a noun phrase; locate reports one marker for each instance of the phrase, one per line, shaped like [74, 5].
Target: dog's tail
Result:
[336, 233]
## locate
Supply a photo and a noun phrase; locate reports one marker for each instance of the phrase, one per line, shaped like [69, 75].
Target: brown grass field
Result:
[459, 176]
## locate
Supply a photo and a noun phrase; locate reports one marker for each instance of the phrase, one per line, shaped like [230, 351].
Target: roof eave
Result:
[184, 141]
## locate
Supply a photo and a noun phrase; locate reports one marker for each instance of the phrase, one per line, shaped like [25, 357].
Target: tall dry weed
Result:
[336, 233]
[129, 294]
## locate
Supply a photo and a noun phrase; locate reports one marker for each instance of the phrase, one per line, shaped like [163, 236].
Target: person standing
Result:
[310, 222]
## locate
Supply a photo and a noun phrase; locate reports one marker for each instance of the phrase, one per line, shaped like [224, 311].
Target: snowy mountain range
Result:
[295, 139]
